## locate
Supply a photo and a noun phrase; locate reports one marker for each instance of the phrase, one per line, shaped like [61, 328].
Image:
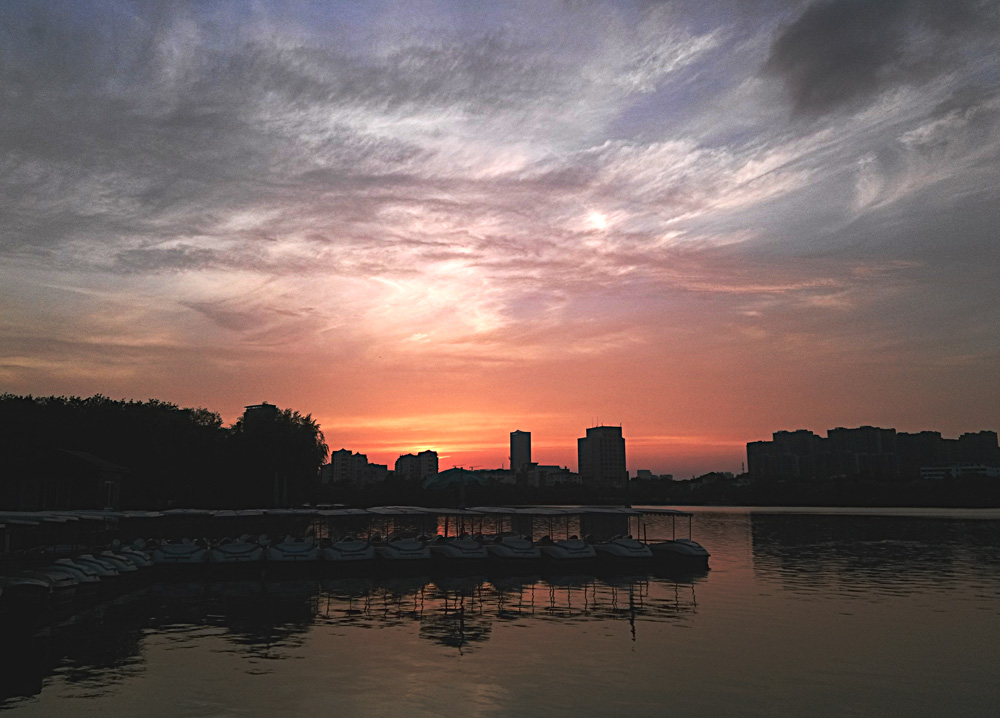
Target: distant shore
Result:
[962, 492]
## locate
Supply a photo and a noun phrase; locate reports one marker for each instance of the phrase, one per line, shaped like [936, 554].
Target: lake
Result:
[818, 612]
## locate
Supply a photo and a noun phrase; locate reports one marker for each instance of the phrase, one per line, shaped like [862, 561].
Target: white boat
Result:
[403, 545]
[463, 549]
[183, 553]
[509, 547]
[572, 550]
[140, 558]
[62, 582]
[135, 552]
[293, 550]
[122, 564]
[240, 551]
[512, 548]
[403, 549]
[348, 550]
[677, 552]
[88, 583]
[104, 568]
[609, 530]
[460, 549]
[682, 551]
[623, 548]
[569, 551]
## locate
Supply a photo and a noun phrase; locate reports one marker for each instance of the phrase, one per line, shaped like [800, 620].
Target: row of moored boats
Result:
[396, 547]
[388, 538]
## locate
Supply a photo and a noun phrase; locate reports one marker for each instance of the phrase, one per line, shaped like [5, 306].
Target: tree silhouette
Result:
[278, 455]
[175, 456]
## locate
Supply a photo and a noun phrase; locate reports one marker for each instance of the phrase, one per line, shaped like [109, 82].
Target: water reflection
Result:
[805, 614]
[266, 621]
[869, 554]
[460, 612]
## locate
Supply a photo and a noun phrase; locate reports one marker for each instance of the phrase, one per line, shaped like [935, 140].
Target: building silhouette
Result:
[865, 451]
[416, 467]
[869, 452]
[348, 467]
[260, 413]
[520, 450]
[601, 457]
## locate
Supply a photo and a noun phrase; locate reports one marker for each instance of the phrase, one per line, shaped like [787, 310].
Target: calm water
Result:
[803, 613]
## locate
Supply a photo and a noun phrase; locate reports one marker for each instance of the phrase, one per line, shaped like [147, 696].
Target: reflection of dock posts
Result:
[393, 604]
[418, 600]
[631, 606]
[677, 598]
[519, 605]
[588, 591]
[631, 609]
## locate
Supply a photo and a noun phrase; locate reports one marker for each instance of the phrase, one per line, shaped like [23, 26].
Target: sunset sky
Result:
[428, 224]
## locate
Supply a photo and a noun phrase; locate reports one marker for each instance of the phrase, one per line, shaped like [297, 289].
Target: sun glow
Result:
[597, 220]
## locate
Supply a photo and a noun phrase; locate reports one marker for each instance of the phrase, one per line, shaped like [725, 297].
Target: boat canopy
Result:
[667, 512]
[343, 512]
[399, 511]
[542, 511]
[611, 510]
[503, 510]
[453, 512]
[238, 513]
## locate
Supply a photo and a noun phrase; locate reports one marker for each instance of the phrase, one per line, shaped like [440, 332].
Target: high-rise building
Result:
[428, 461]
[979, 448]
[919, 450]
[520, 450]
[407, 467]
[601, 457]
[414, 467]
[347, 466]
[867, 451]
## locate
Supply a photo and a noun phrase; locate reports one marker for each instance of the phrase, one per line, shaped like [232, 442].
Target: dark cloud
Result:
[843, 53]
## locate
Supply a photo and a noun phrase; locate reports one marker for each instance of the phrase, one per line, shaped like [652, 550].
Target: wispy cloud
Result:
[463, 203]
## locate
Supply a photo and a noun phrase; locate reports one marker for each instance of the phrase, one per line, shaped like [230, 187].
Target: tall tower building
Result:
[520, 450]
[601, 457]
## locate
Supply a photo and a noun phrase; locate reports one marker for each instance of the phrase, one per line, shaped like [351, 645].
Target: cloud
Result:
[409, 205]
[843, 53]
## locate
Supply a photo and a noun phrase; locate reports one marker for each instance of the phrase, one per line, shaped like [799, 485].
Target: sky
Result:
[428, 224]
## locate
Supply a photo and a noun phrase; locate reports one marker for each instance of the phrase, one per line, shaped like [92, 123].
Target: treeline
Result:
[172, 456]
